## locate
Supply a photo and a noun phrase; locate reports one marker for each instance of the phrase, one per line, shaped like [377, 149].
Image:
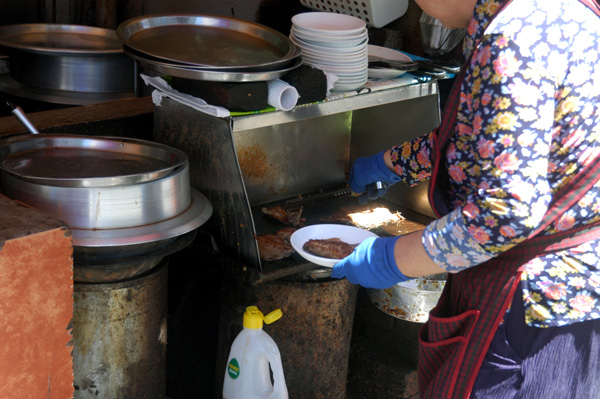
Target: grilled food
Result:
[332, 248]
[289, 217]
[286, 233]
[273, 247]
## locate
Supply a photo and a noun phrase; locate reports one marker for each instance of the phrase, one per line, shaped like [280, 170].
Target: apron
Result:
[457, 335]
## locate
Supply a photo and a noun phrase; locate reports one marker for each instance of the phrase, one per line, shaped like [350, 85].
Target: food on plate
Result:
[273, 247]
[291, 217]
[332, 248]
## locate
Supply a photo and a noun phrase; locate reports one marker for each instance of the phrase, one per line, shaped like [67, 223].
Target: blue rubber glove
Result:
[372, 264]
[368, 170]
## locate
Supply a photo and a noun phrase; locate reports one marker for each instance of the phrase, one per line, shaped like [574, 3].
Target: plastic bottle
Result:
[247, 374]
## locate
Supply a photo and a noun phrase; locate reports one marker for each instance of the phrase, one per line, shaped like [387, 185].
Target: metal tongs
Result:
[434, 69]
[372, 192]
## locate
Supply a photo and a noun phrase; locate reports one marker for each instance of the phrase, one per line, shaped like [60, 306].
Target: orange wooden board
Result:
[36, 306]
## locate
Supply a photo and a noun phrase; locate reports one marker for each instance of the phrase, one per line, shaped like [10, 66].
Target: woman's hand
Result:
[386, 261]
[372, 264]
[369, 170]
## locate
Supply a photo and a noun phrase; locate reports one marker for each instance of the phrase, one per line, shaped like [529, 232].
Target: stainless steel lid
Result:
[207, 41]
[64, 160]
[60, 39]
[204, 47]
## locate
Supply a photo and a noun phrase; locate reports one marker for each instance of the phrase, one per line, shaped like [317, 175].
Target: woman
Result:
[514, 178]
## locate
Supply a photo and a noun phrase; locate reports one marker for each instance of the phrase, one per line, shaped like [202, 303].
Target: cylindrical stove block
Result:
[120, 338]
[313, 334]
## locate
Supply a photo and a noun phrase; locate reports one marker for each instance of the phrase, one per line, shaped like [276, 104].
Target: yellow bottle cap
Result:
[273, 316]
[253, 318]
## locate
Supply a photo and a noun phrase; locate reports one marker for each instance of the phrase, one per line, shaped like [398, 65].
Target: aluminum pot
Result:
[70, 160]
[110, 191]
[410, 300]
[71, 58]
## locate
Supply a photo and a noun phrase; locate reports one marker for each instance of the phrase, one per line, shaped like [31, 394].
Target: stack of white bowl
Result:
[336, 43]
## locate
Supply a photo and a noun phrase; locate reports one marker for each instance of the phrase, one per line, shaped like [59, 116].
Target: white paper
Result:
[164, 90]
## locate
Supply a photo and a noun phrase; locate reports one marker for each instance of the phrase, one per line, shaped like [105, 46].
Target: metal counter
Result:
[242, 163]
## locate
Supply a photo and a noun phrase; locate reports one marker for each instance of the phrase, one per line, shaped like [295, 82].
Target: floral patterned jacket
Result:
[529, 115]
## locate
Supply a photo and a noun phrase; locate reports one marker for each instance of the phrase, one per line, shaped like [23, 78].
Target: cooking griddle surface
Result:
[337, 209]
[342, 210]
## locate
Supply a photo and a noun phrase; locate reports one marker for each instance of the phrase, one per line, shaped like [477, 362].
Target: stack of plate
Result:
[336, 43]
[205, 47]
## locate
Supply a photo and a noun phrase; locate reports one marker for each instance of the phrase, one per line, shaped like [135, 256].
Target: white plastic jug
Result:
[247, 374]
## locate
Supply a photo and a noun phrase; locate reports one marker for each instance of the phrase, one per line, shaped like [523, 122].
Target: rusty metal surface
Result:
[282, 161]
[214, 171]
[120, 338]
[313, 336]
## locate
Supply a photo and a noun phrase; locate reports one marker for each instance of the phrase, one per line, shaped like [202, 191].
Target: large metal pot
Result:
[110, 191]
[70, 58]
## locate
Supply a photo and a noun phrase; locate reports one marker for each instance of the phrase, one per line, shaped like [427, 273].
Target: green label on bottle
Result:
[233, 368]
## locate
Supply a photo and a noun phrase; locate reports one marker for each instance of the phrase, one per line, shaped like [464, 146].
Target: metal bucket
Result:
[120, 338]
[410, 300]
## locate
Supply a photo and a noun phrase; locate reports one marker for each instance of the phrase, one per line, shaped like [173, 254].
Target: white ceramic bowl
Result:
[355, 70]
[322, 52]
[337, 61]
[353, 78]
[328, 50]
[298, 31]
[329, 24]
[331, 41]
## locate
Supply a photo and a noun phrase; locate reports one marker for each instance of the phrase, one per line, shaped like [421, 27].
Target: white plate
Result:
[328, 24]
[348, 234]
[350, 62]
[304, 45]
[330, 41]
[391, 54]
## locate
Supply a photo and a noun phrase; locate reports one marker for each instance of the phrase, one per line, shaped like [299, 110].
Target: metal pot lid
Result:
[87, 161]
[212, 42]
[216, 76]
[59, 38]
[275, 66]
